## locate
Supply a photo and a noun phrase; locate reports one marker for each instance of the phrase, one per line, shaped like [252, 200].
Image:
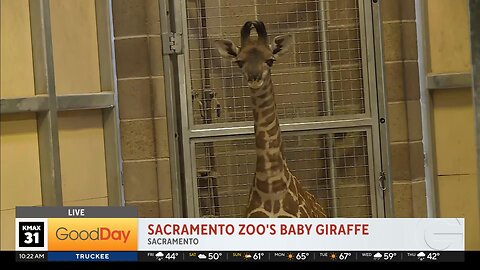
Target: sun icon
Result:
[290, 256]
[333, 256]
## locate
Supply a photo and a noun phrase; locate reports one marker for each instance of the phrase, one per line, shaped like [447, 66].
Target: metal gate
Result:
[327, 101]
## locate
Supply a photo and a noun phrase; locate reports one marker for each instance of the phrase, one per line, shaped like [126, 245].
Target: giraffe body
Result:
[275, 192]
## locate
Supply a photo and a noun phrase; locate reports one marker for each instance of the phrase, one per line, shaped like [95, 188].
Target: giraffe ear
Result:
[226, 48]
[281, 45]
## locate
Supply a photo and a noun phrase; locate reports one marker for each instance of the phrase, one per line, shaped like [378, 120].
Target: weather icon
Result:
[202, 256]
[290, 256]
[247, 256]
[159, 255]
[377, 256]
[333, 256]
[421, 256]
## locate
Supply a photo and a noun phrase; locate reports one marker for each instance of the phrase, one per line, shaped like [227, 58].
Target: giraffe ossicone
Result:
[275, 192]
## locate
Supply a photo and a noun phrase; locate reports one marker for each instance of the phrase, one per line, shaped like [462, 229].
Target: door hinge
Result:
[172, 43]
[381, 181]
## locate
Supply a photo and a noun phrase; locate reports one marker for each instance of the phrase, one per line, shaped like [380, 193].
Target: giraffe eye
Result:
[240, 63]
[270, 62]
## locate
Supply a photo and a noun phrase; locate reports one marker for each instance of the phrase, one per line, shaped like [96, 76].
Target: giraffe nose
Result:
[254, 77]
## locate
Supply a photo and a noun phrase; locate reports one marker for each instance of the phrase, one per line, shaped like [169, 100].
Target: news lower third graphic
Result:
[117, 234]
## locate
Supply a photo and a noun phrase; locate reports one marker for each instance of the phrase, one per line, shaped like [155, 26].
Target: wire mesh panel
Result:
[225, 172]
[320, 76]
[321, 80]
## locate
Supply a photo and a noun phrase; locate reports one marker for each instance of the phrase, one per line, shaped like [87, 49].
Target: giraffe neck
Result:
[271, 167]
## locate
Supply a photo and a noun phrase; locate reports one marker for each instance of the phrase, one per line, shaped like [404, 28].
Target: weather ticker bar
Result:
[243, 256]
[117, 234]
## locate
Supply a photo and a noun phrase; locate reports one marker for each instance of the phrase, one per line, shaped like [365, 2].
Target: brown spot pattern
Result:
[268, 111]
[262, 185]
[257, 214]
[267, 205]
[279, 185]
[260, 142]
[274, 131]
[261, 164]
[276, 206]
[289, 204]
[256, 200]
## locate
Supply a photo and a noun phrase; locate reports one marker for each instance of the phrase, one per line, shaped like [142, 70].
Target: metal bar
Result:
[185, 102]
[377, 209]
[39, 103]
[185, 111]
[110, 114]
[288, 29]
[426, 107]
[285, 127]
[371, 105]
[284, 133]
[28, 104]
[377, 81]
[448, 80]
[328, 101]
[474, 9]
[171, 104]
[367, 58]
[172, 87]
[105, 45]
[48, 141]
[92, 101]
[332, 118]
[184, 74]
[193, 168]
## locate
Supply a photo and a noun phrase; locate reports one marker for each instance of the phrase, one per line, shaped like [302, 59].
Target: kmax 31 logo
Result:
[91, 234]
[101, 233]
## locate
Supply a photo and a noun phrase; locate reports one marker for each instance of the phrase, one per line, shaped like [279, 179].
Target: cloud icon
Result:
[377, 255]
[159, 254]
[421, 254]
[202, 256]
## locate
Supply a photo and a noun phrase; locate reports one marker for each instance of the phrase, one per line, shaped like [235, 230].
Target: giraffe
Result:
[275, 192]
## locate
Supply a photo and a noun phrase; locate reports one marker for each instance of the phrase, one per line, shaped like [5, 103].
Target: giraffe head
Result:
[254, 56]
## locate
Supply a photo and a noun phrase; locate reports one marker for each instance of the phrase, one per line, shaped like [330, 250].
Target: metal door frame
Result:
[183, 134]
[474, 13]
[46, 103]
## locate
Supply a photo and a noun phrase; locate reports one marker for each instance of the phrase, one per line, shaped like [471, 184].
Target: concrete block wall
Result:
[404, 117]
[143, 124]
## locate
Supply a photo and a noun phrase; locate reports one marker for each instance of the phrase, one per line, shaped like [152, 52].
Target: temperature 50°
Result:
[214, 256]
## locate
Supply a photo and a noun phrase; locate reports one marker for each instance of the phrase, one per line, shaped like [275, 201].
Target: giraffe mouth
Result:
[255, 84]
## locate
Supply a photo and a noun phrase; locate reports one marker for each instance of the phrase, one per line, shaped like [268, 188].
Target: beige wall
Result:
[453, 117]
[449, 36]
[20, 171]
[82, 157]
[75, 53]
[16, 50]
[19, 160]
[81, 142]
